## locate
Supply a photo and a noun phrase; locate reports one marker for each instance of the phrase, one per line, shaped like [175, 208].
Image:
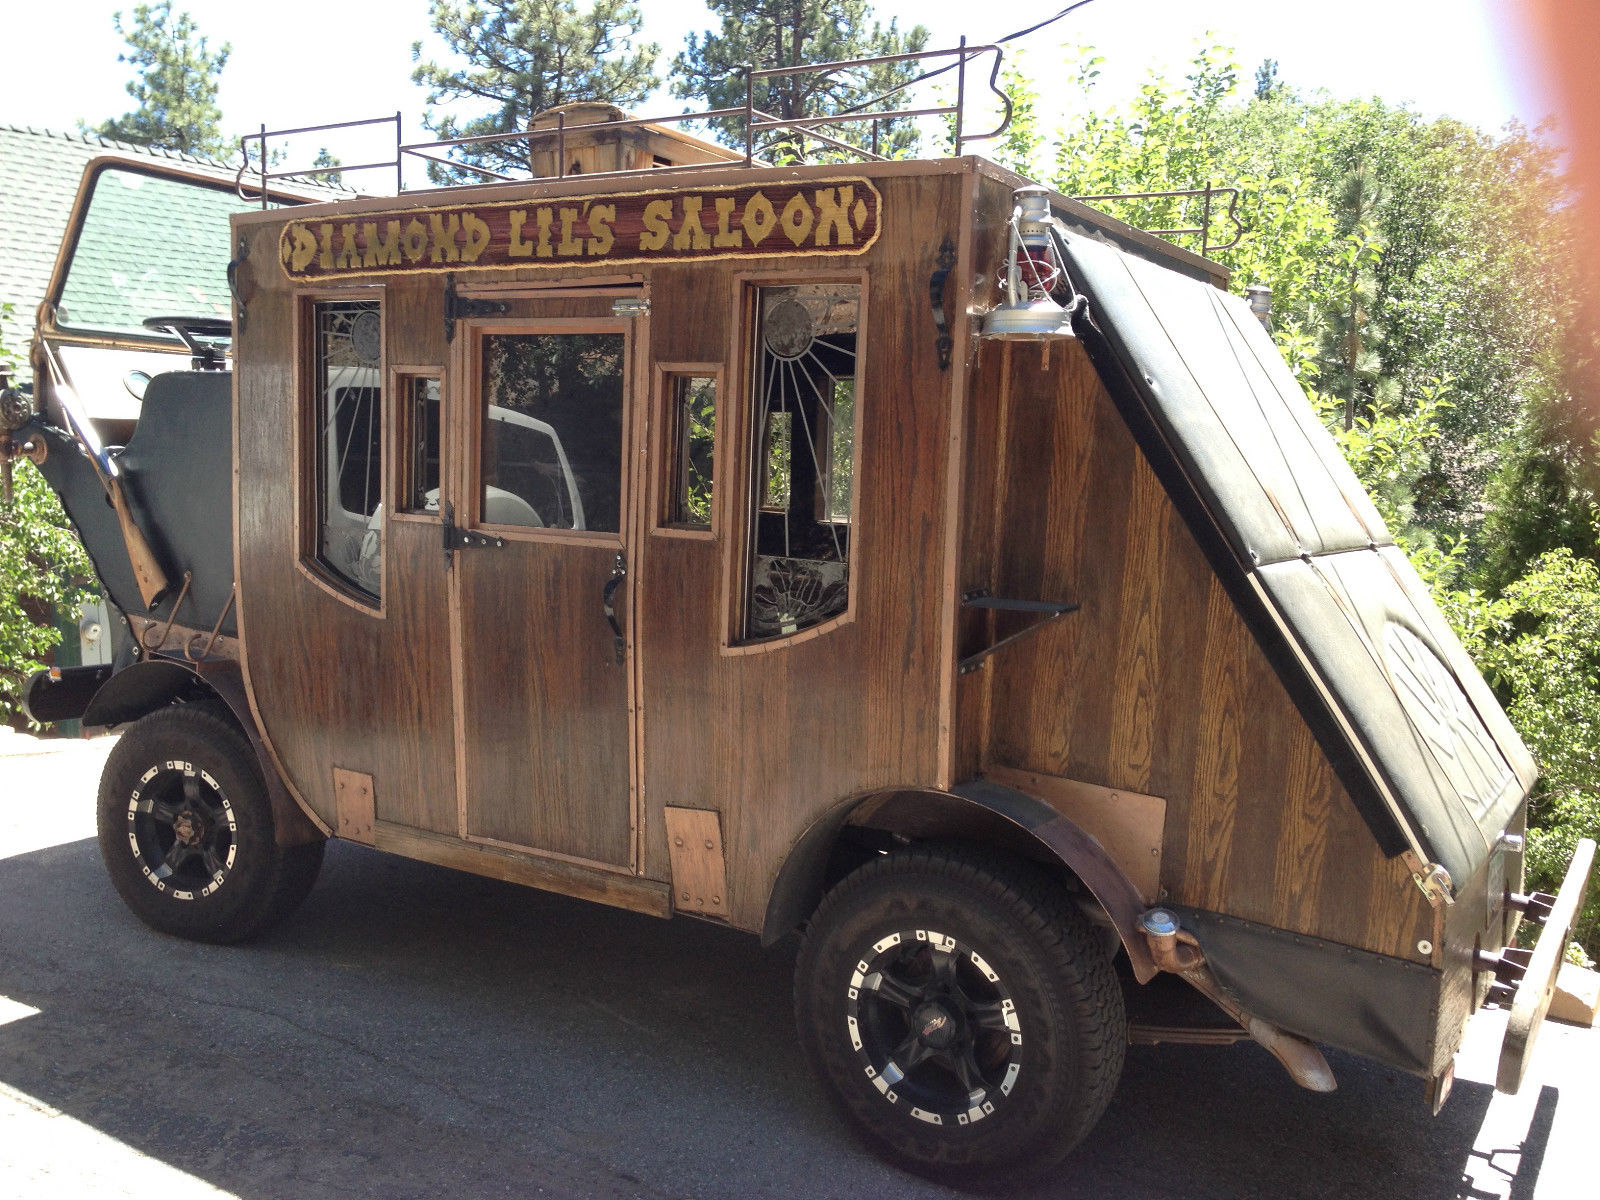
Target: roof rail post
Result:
[961, 89]
[399, 170]
[263, 149]
[561, 146]
[749, 114]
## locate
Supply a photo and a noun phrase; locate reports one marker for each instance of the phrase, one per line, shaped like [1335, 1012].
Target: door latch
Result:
[456, 538]
[608, 599]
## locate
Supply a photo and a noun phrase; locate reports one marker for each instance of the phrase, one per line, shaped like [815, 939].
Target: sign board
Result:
[838, 216]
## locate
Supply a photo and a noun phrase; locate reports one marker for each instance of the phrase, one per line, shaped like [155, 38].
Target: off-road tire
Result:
[192, 762]
[1014, 935]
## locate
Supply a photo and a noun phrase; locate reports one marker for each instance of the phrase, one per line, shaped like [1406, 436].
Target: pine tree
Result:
[524, 56]
[787, 33]
[176, 84]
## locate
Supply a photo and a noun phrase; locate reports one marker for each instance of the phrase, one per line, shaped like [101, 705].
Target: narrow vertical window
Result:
[348, 441]
[804, 456]
[692, 417]
[419, 490]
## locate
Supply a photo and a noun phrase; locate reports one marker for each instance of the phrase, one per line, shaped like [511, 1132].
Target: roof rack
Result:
[755, 121]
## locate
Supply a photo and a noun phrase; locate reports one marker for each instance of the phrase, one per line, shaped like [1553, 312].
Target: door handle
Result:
[608, 600]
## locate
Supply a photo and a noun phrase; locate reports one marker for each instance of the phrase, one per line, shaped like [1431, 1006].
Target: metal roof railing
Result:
[755, 121]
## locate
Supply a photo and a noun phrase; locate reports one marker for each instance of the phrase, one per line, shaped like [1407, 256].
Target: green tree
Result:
[42, 570]
[522, 57]
[787, 33]
[175, 84]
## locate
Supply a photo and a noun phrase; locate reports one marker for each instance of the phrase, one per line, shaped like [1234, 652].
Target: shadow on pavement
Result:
[417, 1032]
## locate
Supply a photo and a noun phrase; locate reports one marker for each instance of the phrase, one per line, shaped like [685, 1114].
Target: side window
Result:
[804, 456]
[347, 442]
[692, 428]
[552, 430]
[419, 423]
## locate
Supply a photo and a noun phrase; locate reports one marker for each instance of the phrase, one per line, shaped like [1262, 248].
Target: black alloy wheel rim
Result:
[934, 1027]
[182, 830]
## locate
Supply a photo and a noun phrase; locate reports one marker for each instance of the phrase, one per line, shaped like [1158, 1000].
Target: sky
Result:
[297, 63]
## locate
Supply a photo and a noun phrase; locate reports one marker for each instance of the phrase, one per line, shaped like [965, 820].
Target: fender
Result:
[155, 683]
[1001, 814]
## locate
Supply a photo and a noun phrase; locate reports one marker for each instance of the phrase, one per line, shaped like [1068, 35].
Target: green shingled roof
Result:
[39, 176]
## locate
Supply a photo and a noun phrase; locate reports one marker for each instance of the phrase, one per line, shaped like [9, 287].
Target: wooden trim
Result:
[699, 873]
[637, 405]
[737, 515]
[567, 879]
[599, 287]
[957, 301]
[477, 839]
[317, 574]
[456, 393]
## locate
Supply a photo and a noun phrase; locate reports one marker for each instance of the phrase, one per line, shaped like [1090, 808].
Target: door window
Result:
[552, 430]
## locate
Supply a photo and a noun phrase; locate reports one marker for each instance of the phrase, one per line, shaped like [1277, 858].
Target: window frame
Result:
[469, 505]
[666, 455]
[739, 501]
[308, 443]
[401, 377]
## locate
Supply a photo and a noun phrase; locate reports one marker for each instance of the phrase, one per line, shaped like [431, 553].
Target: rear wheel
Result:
[961, 1013]
[187, 834]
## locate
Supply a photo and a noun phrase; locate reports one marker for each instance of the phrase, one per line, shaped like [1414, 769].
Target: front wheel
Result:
[959, 1010]
[187, 834]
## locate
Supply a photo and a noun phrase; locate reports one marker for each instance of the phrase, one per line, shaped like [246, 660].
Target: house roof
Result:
[39, 175]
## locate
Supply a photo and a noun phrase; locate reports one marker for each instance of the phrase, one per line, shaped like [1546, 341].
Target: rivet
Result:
[1424, 947]
[710, 845]
[716, 899]
[686, 897]
[677, 841]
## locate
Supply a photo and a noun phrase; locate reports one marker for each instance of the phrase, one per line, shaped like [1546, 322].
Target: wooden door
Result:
[543, 670]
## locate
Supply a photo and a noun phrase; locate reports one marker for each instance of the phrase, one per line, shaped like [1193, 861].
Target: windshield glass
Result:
[151, 246]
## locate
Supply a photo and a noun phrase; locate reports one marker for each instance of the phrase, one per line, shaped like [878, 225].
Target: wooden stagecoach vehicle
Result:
[892, 552]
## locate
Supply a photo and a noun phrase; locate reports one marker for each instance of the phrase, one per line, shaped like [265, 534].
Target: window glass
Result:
[150, 247]
[693, 400]
[421, 487]
[349, 441]
[804, 480]
[552, 430]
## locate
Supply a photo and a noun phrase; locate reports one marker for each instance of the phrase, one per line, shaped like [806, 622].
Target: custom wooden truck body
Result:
[679, 541]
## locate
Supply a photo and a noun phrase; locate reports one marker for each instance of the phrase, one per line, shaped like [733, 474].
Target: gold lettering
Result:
[349, 252]
[385, 253]
[477, 231]
[304, 250]
[568, 245]
[797, 218]
[832, 206]
[444, 238]
[415, 240]
[656, 230]
[544, 218]
[725, 237]
[325, 241]
[601, 237]
[518, 247]
[690, 235]
[758, 219]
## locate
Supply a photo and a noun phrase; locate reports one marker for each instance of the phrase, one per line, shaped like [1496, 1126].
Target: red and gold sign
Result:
[839, 216]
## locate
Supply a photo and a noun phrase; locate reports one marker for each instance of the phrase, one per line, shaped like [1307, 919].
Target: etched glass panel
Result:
[804, 479]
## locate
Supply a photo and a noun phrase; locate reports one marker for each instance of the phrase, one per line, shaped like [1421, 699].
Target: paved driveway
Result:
[416, 1032]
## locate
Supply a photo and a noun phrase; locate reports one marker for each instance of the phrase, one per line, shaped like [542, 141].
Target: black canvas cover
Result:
[1360, 640]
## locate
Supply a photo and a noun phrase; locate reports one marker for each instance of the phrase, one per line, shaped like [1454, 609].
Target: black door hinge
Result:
[456, 538]
[455, 307]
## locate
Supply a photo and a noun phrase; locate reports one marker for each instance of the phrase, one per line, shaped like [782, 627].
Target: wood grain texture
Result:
[699, 877]
[1155, 685]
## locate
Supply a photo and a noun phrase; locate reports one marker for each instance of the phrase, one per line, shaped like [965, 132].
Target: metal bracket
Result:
[455, 308]
[241, 255]
[936, 296]
[456, 538]
[1434, 881]
[1049, 610]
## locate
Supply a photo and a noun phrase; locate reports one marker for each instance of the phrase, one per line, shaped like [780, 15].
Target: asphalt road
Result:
[415, 1032]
